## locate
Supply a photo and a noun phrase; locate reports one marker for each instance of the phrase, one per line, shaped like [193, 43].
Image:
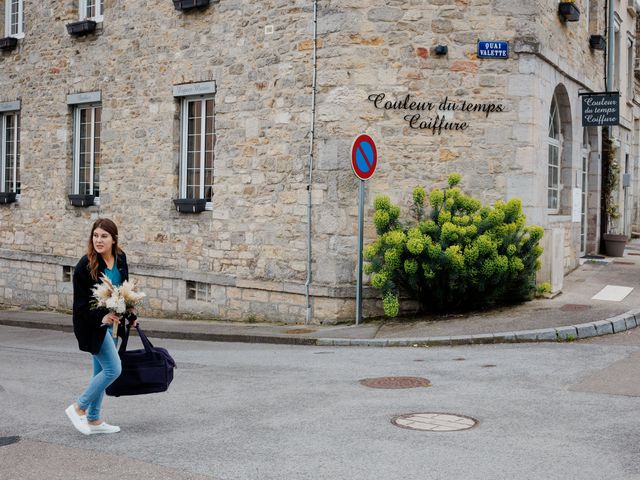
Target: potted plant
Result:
[614, 242]
[568, 11]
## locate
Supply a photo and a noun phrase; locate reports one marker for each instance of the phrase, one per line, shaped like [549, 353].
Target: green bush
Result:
[462, 255]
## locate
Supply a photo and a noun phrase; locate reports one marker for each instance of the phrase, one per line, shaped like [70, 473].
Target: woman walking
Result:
[93, 327]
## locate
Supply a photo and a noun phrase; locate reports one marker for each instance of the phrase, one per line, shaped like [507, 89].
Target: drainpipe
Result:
[607, 132]
[610, 44]
[311, 146]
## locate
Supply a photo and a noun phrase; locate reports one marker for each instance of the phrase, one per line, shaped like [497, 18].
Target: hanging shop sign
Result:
[435, 116]
[499, 50]
[600, 109]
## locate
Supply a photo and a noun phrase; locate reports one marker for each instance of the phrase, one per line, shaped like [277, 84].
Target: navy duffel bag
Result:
[148, 370]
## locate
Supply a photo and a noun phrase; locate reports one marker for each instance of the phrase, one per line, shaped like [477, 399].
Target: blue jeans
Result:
[106, 368]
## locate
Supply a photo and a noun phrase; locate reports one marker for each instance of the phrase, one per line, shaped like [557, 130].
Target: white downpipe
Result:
[610, 44]
[307, 284]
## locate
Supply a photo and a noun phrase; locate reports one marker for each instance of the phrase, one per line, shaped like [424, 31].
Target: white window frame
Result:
[77, 108]
[99, 5]
[554, 143]
[3, 150]
[184, 142]
[587, 13]
[9, 4]
[616, 53]
[631, 48]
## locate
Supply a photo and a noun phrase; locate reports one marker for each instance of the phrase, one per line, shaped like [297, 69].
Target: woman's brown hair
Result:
[110, 227]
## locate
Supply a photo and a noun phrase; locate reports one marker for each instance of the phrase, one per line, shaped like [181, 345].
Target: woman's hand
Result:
[132, 317]
[111, 319]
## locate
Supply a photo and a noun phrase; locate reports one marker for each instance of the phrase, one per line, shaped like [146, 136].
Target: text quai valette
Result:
[438, 123]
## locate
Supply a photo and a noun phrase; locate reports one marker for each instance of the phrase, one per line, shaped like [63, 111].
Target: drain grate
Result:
[395, 382]
[618, 262]
[434, 422]
[4, 441]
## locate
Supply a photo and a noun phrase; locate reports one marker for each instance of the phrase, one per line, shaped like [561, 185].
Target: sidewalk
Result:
[572, 315]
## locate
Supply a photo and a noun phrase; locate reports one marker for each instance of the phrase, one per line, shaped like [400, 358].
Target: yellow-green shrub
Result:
[465, 255]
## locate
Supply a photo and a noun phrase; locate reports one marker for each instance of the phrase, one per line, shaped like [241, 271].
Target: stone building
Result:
[218, 138]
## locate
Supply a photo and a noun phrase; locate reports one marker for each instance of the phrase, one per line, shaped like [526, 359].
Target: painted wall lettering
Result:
[437, 122]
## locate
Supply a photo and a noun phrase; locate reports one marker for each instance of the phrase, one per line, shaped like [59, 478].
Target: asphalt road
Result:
[254, 411]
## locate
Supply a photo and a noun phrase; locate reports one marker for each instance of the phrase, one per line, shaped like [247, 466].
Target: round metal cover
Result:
[8, 440]
[395, 382]
[434, 422]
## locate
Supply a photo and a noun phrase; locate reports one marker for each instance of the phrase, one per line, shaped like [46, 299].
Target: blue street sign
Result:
[497, 50]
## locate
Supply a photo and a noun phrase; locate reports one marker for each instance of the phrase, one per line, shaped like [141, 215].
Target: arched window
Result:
[554, 140]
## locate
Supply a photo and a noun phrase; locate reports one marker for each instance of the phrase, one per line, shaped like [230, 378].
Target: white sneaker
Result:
[104, 427]
[79, 421]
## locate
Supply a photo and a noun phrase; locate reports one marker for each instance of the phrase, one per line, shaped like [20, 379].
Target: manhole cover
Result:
[434, 422]
[574, 307]
[460, 359]
[395, 382]
[489, 365]
[8, 440]
[631, 253]
[298, 331]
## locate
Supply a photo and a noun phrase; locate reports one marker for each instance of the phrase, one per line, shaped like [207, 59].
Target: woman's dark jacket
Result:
[87, 321]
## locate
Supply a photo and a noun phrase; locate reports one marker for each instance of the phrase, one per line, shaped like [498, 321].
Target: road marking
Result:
[612, 293]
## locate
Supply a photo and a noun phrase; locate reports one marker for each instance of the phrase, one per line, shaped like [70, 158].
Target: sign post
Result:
[364, 158]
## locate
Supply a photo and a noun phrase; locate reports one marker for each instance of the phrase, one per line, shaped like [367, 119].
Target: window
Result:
[67, 273]
[197, 142]
[198, 291]
[616, 56]
[630, 76]
[553, 181]
[10, 152]
[92, 9]
[14, 18]
[86, 149]
[587, 14]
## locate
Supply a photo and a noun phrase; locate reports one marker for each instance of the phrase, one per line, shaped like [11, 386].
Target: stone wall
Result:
[251, 248]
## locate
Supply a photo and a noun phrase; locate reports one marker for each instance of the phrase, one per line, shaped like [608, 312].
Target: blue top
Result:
[113, 274]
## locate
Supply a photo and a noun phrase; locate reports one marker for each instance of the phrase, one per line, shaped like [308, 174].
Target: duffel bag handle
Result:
[145, 341]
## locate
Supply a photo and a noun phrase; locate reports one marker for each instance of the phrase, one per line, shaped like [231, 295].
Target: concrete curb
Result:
[609, 326]
[617, 324]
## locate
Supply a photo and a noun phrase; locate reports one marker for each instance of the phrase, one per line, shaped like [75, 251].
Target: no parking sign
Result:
[364, 157]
